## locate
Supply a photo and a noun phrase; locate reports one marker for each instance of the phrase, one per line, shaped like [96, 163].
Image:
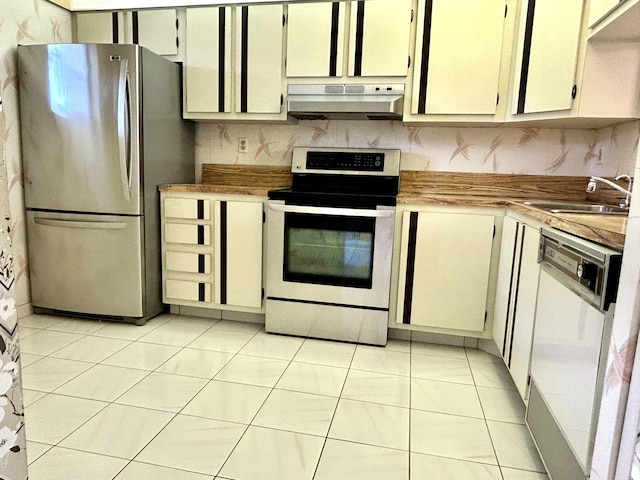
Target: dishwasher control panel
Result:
[588, 268]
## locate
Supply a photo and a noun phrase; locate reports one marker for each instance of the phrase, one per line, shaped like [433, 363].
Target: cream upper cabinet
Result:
[378, 43]
[379, 38]
[315, 39]
[458, 55]
[247, 85]
[156, 30]
[548, 47]
[599, 8]
[445, 266]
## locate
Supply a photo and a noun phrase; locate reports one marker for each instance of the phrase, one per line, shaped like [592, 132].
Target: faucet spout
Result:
[592, 185]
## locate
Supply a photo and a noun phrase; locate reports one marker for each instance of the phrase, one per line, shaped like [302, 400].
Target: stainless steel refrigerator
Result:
[101, 129]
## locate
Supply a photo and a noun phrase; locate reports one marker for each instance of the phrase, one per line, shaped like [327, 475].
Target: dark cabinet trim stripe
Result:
[201, 292]
[201, 264]
[114, 27]
[526, 56]
[510, 294]
[135, 27]
[200, 234]
[411, 263]
[223, 252]
[333, 55]
[515, 300]
[359, 39]
[424, 64]
[222, 47]
[244, 59]
[200, 204]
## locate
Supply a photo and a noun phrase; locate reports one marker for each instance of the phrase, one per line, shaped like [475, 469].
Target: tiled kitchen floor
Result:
[187, 398]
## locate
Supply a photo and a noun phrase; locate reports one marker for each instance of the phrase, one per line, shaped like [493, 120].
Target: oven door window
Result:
[329, 250]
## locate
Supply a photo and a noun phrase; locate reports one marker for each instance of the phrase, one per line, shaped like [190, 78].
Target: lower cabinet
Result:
[445, 270]
[515, 303]
[212, 251]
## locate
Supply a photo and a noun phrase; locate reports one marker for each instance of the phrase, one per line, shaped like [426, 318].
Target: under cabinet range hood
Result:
[346, 102]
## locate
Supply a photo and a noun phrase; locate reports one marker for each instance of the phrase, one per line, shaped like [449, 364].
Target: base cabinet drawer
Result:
[187, 234]
[187, 262]
[187, 208]
[187, 290]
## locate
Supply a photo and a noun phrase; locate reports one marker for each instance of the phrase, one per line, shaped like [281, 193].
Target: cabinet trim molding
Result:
[411, 262]
[223, 252]
[222, 48]
[333, 54]
[526, 56]
[359, 39]
[424, 67]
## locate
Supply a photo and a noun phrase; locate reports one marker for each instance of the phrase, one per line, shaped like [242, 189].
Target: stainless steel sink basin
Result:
[579, 208]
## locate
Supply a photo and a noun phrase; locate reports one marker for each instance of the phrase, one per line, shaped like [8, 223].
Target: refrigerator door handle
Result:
[52, 222]
[124, 128]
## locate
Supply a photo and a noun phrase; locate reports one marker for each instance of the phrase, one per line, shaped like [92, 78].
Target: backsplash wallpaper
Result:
[21, 21]
[534, 151]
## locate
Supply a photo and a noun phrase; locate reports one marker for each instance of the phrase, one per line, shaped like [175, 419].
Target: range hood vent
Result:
[346, 102]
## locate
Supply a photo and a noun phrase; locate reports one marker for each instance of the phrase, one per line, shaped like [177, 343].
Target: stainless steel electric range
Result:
[330, 241]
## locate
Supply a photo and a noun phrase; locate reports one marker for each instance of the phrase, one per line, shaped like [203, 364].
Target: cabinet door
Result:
[526, 289]
[458, 53]
[449, 269]
[156, 30]
[239, 253]
[379, 39]
[259, 52]
[315, 39]
[549, 53]
[99, 27]
[599, 8]
[207, 69]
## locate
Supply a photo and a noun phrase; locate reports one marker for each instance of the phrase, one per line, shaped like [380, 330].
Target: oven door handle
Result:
[345, 212]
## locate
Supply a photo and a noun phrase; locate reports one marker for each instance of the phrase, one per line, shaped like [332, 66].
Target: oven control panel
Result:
[345, 161]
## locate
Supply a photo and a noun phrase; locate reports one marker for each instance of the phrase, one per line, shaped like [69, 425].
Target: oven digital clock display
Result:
[363, 162]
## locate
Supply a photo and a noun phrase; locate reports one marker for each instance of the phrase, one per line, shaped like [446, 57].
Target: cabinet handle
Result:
[53, 222]
[346, 212]
[574, 91]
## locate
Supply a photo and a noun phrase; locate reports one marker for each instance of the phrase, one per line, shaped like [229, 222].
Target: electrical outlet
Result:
[599, 159]
[243, 145]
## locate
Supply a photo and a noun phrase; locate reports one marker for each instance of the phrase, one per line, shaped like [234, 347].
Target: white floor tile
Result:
[514, 446]
[376, 359]
[265, 454]
[91, 349]
[272, 346]
[437, 350]
[24, 332]
[253, 370]
[297, 412]
[49, 373]
[193, 362]
[29, 358]
[40, 321]
[64, 464]
[311, 378]
[232, 402]
[35, 450]
[222, 340]
[145, 356]
[144, 471]
[451, 436]
[129, 331]
[398, 345]
[495, 375]
[193, 444]
[102, 382]
[237, 326]
[428, 467]
[162, 391]
[372, 424]
[177, 333]
[441, 368]
[30, 396]
[324, 352]
[502, 405]
[45, 342]
[53, 417]
[377, 388]
[477, 355]
[445, 397]
[514, 474]
[353, 461]
[118, 431]
[80, 326]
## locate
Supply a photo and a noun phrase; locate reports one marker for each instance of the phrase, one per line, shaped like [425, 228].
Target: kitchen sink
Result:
[597, 209]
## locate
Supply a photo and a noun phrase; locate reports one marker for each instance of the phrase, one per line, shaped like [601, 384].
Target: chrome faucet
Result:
[591, 187]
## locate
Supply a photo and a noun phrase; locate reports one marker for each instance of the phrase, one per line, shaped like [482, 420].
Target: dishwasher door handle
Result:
[344, 212]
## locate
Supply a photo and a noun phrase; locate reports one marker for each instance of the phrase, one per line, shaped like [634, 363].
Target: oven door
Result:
[330, 255]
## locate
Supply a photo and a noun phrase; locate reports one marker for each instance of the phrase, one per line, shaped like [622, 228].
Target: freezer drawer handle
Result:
[52, 222]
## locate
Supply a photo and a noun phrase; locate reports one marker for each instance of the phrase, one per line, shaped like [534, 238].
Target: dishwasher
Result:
[574, 312]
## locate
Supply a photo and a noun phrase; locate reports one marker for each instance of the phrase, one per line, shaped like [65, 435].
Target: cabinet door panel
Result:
[458, 53]
[451, 277]
[188, 262]
[187, 290]
[548, 74]
[187, 208]
[208, 60]
[98, 27]
[315, 39]
[379, 39]
[187, 234]
[259, 59]
[157, 30]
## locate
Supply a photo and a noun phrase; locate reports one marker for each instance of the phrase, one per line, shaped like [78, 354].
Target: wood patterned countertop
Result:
[447, 189]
